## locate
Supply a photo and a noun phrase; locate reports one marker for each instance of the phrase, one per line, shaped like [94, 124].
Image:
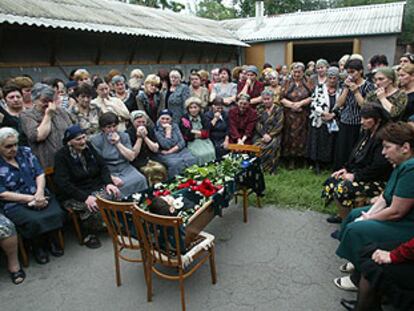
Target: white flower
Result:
[245, 156]
[158, 186]
[178, 203]
[197, 207]
[137, 197]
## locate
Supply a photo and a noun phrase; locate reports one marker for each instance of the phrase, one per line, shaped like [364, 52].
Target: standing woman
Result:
[10, 115]
[173, 152]
[322, 131]
[406, 78]
[150, 99]
[274, 86]
[45, 124]
[269, 131]
[321, 68]
[199, 91]
[176, 96]
[126, 95]
[194, 127]
[106, 103]
[407, 58]
[251, 86]
[225, 89]
[355, 89]
[296, 96]
[387, 94]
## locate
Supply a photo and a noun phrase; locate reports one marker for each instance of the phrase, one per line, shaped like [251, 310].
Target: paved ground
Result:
[281, 260]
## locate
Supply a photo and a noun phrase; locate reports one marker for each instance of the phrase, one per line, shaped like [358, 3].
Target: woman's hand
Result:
[266, 138]
[217, 115]
[51, 108]
[326, 116]
[380, 93]
[381, 257]
[117, 181]
[339, 173]
[114, 190]
[114, 138]
[91, 204]
[349, 176]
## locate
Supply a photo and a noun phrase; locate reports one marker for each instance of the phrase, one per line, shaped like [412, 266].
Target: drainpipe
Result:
[259, 12]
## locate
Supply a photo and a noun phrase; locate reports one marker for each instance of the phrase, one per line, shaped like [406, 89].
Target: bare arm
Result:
[342, 98]
[16, 197]
[153, 146]
[398, 209]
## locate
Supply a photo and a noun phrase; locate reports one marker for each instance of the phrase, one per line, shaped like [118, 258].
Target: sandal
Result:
[92, 241]
[18, 276]
[345, 283]
[347, 268]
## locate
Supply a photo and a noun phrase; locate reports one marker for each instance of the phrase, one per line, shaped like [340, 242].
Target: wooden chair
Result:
[244, 191]
[22, 251]
[118, 219]
[49, 171]
[162, 243]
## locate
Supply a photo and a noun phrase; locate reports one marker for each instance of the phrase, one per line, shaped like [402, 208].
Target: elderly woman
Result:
[391, 217]
[10, 115]
[387, 94]
[225, 89]
[296, 96]
[176, 96]
[151, 100]
[242, 122]
[80, 175]
[84, 112]
[218, 122]
[8, 242]
[321, 68]
[145, 147]
[106, 103]
[269, 131]
[252, 86]
[45, 124]
[355, 89]
[195, 129]
[406, 84]
[124, 94]
[173, 152]
[366, 172]
[115, 148]
[26, 201]
[197, 90]
[323, 126]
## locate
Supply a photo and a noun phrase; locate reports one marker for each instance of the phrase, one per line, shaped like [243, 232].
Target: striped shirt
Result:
[350, 114]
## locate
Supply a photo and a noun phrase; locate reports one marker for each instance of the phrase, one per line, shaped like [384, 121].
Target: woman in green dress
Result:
[391, 218]
[194, 127]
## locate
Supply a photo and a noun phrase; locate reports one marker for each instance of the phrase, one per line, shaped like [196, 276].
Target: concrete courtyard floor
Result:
[281, 260]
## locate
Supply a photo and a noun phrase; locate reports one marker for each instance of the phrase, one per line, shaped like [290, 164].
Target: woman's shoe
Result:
[345, 283]
[55, 250]
[18, 277]
[40, 256]
[347, 267]
[92, 241]
[334, 219]
[348, 304]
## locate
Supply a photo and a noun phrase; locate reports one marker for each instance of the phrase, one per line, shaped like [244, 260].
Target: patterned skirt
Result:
[295, 133]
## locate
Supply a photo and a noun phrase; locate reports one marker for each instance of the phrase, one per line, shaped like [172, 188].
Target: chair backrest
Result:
[118, 219]
[160, 236]
[245, 149]
[49, 171]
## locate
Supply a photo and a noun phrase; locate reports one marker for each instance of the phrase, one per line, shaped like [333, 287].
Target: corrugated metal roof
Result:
[342, 22]
[114, 17]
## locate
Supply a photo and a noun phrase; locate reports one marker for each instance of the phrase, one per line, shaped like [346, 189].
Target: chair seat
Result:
[204, 241]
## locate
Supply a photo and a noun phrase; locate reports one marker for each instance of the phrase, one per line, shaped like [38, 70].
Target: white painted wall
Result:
[379, 45]
[275, 53]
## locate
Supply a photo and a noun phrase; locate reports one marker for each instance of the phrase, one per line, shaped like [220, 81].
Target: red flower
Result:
[159, 193]
[187, 184]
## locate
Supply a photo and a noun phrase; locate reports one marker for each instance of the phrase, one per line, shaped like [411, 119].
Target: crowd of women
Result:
[114, 135]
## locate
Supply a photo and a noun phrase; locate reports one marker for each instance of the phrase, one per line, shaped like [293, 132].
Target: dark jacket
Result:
[72, 181]
[367, 162]
[143, 103]
[186, 127]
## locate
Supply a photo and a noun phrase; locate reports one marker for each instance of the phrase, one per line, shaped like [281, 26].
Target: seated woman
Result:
[8, 242]
[269, 129]
[242, 121]
[173, 153]
[194, 127]
[83, 112]
[115, 148]
[391, 217]
[25, 199]
[367, 170]
[145, 147]
[218, 123]
[45, 124]
[80, 175]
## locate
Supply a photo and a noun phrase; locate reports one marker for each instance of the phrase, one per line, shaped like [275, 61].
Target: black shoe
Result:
[92, 241]
[350, 305]
[55, 250]
[40, 256]
[334, 219]
[335, 235]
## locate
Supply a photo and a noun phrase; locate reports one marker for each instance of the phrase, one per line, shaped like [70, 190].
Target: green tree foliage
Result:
[214, 9]
[164, 4]
[272, 7]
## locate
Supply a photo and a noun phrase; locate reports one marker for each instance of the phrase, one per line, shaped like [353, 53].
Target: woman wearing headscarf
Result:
[218, 123]
[45, 124]
[176, 95]
[323, 126]
[145, 146]
[80, 175]
[173, 152]
[115, 148]
[269, 131]
[296, 96]
[151, 99]
[387, 94]
[195, 130]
